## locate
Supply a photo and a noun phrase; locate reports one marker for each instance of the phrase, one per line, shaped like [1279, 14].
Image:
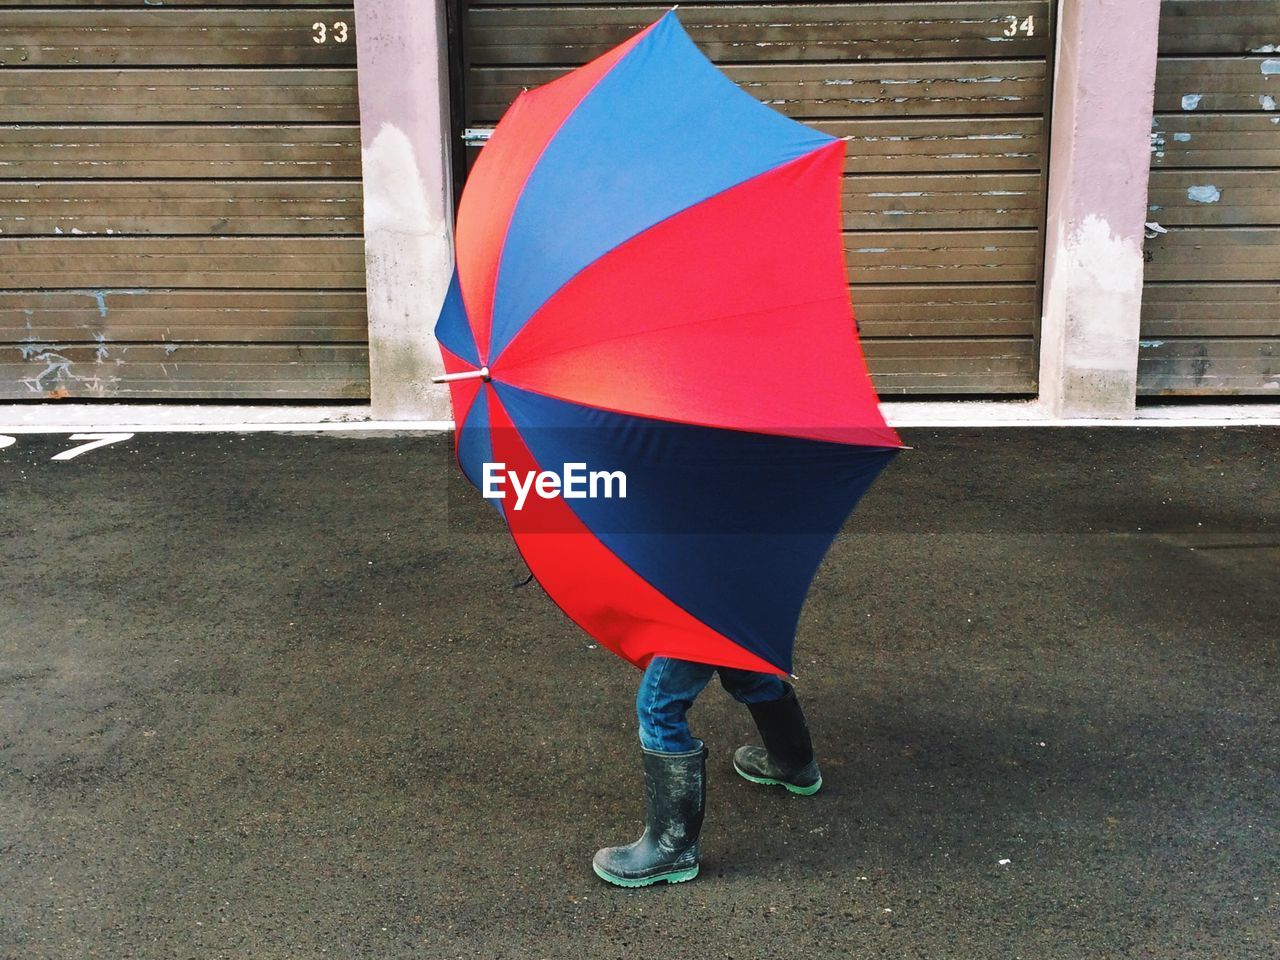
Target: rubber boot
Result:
[675, 794]
[787, 757]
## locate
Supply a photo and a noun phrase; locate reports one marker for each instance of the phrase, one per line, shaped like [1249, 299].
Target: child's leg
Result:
[749, 687]
[667, 691]
[675, 781]
[787, 757]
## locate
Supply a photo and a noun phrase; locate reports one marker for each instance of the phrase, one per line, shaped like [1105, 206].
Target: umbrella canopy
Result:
[650, 284]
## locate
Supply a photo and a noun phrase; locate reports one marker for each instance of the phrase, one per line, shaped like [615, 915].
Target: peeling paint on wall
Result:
[408, 261]
[58, 373]
[1095, 287]
[1191, 101]
[1204, 193]
[1267, 101]
[1270, 68]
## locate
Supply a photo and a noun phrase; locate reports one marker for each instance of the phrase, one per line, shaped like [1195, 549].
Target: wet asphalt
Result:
[269, 696]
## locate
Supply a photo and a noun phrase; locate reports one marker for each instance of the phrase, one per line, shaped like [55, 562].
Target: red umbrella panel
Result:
[652, 358]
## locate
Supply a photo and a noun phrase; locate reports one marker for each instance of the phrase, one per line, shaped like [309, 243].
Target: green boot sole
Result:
[808, 791]
[676, 876]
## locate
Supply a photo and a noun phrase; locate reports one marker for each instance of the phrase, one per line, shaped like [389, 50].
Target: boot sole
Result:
[808, 791]
[676, 876]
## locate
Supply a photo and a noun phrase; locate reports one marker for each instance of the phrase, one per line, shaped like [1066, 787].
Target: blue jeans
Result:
[670, 686]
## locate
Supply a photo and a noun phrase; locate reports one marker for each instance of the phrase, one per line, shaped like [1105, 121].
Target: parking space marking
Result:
[99, 440]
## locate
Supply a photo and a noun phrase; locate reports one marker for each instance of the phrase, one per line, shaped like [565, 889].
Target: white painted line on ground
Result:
[1030, 414]
[248, 428]
[64, 418]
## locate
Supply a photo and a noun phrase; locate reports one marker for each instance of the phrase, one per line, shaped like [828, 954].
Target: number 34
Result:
[1017, 26]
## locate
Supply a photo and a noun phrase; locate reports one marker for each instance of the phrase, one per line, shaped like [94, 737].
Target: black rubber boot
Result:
[675, 794]
[787, 757]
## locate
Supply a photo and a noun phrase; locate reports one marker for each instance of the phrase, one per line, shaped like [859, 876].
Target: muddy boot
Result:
[787, 756]
[675, 792]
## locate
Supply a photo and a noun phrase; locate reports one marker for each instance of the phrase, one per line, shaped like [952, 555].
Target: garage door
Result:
[944, 106]
[1211, 316]
[180, 201]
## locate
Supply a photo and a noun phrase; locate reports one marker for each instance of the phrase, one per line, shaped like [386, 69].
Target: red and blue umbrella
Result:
[650, 284]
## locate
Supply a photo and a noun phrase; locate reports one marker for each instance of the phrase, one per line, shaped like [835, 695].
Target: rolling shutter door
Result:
[180, 209]
[944, 105]
[1211, 311]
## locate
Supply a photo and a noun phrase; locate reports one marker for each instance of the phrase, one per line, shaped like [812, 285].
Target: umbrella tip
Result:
[481, 374]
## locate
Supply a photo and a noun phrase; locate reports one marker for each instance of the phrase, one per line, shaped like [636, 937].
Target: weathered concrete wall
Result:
[1099, 164]
[404, 132]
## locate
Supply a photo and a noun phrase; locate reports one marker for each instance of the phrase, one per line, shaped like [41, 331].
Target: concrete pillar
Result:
[1098, 165]
[404, 131]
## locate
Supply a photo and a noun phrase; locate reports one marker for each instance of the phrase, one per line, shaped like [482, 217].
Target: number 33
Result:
[321, 34]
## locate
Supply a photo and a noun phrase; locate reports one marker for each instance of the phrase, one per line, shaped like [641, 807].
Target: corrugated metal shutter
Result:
[944, 105]
[1211, 316]
[180, 211]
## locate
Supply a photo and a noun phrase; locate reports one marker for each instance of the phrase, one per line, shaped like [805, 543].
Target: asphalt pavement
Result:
[283, 696]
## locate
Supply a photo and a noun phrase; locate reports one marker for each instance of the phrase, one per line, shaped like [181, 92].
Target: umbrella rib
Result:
[674, 326]
[762, 430]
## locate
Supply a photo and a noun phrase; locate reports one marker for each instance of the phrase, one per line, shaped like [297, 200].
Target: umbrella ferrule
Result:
[481, 374]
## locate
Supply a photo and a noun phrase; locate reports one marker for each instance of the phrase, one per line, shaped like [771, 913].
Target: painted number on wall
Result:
[1017, 25]
[337, 33]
